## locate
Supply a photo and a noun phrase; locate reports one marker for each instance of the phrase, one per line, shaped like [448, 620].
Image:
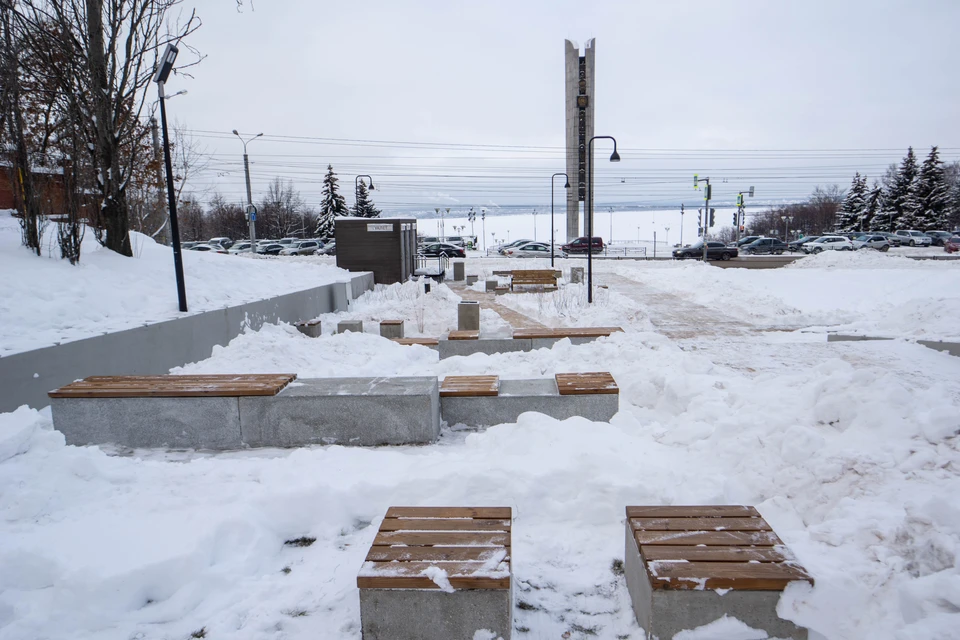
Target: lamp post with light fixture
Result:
[565, 186]
[251, 210]
[614, 157]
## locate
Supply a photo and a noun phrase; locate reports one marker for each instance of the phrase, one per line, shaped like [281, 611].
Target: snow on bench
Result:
[687, 566]
[451, 565]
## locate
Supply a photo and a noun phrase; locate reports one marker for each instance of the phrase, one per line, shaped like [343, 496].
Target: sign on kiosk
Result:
[380, 227]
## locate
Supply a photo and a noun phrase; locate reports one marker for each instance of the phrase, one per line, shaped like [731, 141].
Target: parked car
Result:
[188, 245]
[270, 248]
[202, 247]
[224, 242]
[760, 246]
[892, 238]
[444, 249]
[871, 241]
[939, 237]
[581, 246]
[952, 245]
[240, 247]
[302, 248]
[427, 239]
[460, 241]
[825, 243]
[914, 238]
[529, 250]
[744, 241]
[715, 251]
[328, 249]
[796, 245]
[516, 243]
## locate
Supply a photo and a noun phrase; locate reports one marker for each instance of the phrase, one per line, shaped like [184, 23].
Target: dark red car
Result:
[952, 244]
[580, 246]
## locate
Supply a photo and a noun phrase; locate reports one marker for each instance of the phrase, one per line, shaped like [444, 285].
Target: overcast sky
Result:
[686, 87]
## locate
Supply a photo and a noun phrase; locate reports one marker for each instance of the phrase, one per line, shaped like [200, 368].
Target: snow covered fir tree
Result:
[850, 215]
[899, 200]
[331, 205]
[364, 207]
[932, 193]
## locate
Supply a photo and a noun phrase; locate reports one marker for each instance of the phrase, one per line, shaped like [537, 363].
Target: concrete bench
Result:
[391, 328]
[426, 342]
[523, 340]
[480, 401]
[687, 566]
[230, 412]
[545, 278]
[438, 573]
[465, 334]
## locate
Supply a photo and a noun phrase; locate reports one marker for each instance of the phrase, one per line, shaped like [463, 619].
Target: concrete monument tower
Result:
[580, 85]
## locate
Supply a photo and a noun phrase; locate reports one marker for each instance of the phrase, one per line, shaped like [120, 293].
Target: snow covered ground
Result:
[728, 395]
[45, 300]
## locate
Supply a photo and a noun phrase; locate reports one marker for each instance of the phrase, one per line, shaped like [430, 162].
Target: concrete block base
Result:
[450, 348]
[309, 329]
[472, 280]
[431, 614]
[576, 275]
[458, 270]
[178, 423]
[391, 329]
[520, 396]
[490, 285]
[468, 316]
[345, 411]
[664, 613]
[350, 325]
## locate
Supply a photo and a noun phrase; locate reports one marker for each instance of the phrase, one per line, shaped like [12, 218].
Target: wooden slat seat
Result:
[464, 334]
[469, 386]
[539, 277]
[426, 342]
[391, 322]
[470, 544]
[711, 547]
[189, 386]
[566, 332]
[575, 384]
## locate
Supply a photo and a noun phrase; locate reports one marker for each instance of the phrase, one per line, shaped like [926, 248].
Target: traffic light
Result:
[712, 211]
[699, 217]
[735, 216]
[709, 194]
[696, 182]
[739, 199]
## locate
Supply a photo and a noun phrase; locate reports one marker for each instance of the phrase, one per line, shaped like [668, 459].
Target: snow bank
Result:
[44, 300]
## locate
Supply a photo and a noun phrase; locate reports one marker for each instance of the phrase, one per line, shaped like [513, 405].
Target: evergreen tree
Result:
[331, 206]
[932, 194]
[953, 212]
[850, 212]
[871, 209]
[900, 199]
[364, 207]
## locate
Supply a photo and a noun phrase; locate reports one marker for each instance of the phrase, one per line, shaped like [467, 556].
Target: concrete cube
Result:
[310, 329]
[458, 270]
[576, 275]
[472, 280]
[490, 285]
[345, 411]
[468, 316]
[350, 325]
[177, 423]
[431, 614]
[520, 396]
[391, 328]
[665, 612]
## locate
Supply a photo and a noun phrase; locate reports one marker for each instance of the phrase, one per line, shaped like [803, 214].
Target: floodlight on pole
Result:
[614, 157]
[163, 72]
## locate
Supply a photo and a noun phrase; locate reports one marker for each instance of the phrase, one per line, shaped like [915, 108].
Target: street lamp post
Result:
[251, 211]
[681, 225]
[356, 192]
[483, 228]
[786, 228]
[667, 229]
[534, 225]
[163, 72]
[566, 185]
[614, 157]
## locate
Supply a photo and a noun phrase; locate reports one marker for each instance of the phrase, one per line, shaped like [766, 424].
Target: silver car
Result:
[914, 238]
[871, 241]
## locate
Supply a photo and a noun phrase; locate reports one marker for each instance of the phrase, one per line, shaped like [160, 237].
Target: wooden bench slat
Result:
[714, 554]
[391, 322]
[773, 576]
[469, 386]
[407, 575]
[217, 385]
[449, 512]
[693, 511]
[719, 538]
[436, 554]
[427, 342]
[444, 524]
[471, 334]
[566, 332]
[451, 538]
[586, 383]
[700, 524]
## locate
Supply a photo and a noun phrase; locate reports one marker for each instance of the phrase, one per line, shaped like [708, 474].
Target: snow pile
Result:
[44, 300]
[567, 307]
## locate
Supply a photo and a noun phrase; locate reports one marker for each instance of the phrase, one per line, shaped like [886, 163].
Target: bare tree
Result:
[100, 54]
[281, 209]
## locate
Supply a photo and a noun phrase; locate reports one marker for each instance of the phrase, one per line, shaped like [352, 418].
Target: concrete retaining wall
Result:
[25, 378]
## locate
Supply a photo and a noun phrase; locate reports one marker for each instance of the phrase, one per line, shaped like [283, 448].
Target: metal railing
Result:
[433, 267]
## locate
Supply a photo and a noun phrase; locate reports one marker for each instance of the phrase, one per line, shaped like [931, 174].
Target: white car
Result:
[530, 250]
[302, 248]
[914, 238]
[239, 247]
[828, 243]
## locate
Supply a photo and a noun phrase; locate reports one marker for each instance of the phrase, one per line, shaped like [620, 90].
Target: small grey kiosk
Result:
[385, 246]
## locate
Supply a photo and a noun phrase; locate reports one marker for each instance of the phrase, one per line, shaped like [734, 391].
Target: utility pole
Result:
[251, 210]
[706, 209]
[681, 225]
[483, 225]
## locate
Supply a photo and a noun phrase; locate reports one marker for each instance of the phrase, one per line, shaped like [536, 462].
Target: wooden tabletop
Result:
[176, 386]
[470, 544]
[469, 386]
[577, 384]
[566, 332]
[712, 547]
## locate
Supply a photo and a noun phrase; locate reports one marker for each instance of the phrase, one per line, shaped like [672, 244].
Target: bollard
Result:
[468, 316]
[426, 287]
[491, 285]
[472, 280]
[391, 328]
[576, 275]
[458, 269]
[350, 325]
[310, 329]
